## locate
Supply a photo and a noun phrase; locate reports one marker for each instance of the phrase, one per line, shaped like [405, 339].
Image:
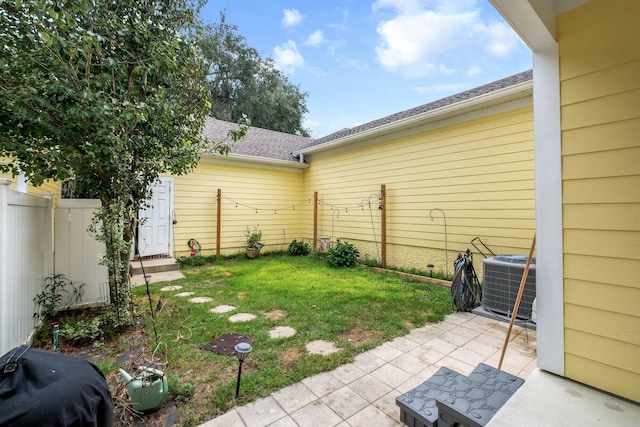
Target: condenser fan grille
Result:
[502, 276]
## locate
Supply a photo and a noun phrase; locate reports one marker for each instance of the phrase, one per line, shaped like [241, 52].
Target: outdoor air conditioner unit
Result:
[502, 277]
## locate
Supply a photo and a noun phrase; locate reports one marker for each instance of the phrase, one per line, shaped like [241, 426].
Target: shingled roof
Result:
[268, 144]
[258, 142]
[449, 100]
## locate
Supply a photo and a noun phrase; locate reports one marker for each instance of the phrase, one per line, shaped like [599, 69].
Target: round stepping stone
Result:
[222, 309]
[242, 317]
[170, 288]
[185, 294]
[321, 347]
[200, 300]
[282, 332]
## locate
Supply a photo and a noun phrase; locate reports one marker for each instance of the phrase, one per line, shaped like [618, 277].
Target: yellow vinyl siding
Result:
[479, 172]
[600, 104]
[266, 190]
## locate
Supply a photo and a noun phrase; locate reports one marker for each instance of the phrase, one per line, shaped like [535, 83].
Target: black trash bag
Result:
[43, 388]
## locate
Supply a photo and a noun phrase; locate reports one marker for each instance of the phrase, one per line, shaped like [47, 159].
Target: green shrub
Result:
[299, 248]
[343, 254]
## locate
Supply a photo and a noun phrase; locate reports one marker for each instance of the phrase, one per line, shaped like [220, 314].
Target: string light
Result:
[258, 209]
[333, 207]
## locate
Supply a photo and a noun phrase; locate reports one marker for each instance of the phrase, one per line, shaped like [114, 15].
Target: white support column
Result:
[548, 178]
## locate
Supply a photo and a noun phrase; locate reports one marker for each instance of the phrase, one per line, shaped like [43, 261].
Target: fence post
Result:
[383, 224]
[315, 219]
[219, 213]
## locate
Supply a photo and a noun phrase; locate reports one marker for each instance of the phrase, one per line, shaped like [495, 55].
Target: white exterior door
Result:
[154, 236]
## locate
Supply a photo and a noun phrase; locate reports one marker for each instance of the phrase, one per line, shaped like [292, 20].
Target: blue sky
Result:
[360, 60]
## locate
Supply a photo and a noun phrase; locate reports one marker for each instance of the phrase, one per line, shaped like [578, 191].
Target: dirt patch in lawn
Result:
[274, 314]
[358, 336]
[290, 355]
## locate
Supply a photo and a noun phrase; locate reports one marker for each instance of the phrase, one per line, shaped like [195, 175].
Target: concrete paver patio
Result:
[363, 393]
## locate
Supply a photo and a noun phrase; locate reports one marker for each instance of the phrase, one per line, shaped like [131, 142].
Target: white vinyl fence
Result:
[77, 252]
[26, 258]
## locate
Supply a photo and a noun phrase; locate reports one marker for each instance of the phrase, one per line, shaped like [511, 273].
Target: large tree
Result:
[243, 83]
[110, 93]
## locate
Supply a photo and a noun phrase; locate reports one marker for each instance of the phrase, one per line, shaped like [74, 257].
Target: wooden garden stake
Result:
[517, 303]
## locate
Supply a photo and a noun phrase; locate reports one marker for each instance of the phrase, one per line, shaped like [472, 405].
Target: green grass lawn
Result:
[355, 309]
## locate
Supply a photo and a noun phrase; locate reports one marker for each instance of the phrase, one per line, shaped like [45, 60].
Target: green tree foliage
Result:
[242, 83]
[108, 92]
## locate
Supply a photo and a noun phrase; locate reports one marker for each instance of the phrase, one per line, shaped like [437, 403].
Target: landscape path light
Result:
[242, 351]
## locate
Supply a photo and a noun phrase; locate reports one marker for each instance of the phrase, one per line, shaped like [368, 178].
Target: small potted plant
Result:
[253, 237]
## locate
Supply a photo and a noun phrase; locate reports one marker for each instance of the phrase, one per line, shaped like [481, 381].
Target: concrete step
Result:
[154, 266]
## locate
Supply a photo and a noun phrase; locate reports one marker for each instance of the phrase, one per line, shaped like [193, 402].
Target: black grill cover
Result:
[43, 388]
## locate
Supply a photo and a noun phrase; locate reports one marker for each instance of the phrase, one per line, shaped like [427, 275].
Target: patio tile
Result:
[370, 388]
[456, 365]
[455, 339]
[427, 355]
[466, 332]
[284, 422]
[409, 363]
[490, 340]
[391, 375]
[261, 412]
[372, 416]
[424, 334]
[387, 404]
[404, 344]
[386, 352]
[446, 325]
[467, 356]
[480, 348]
[294, 397]
[230, 419]
[322, 384]
[347, 373]
[316, 414]
[368, 361]
[440, 345]
[344, 402]
[415, 380]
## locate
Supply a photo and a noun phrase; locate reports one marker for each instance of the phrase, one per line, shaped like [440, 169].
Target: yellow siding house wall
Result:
[252, 195]
[600, 104]
[479, 172]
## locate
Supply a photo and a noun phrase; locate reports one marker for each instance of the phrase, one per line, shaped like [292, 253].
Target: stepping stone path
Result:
[185, 294]
[170, 288]
[200, 300]
[321, 347]
[282, 332]
[242, 317]
[222, 309]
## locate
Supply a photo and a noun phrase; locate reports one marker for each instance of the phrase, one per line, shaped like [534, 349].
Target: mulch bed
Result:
[225, 343]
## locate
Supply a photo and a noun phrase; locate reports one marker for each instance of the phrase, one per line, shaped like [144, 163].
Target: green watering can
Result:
[147, 388]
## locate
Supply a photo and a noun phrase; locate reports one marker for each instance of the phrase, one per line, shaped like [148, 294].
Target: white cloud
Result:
[445, 38]
[291, 17]
[287, 57]
[315, 39]
[501, 40]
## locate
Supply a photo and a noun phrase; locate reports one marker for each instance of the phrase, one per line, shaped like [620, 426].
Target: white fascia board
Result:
[533, 20]
[254, 161]
[486, 101]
